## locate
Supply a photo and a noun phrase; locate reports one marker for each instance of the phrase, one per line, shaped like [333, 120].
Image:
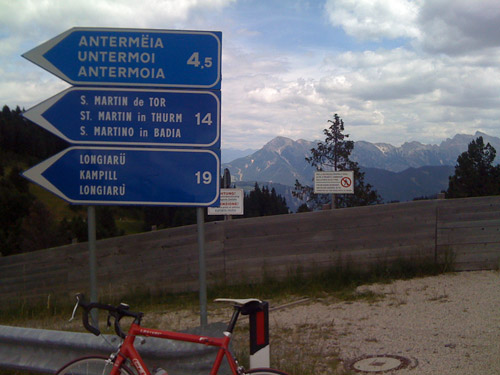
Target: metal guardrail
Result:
[45, 351]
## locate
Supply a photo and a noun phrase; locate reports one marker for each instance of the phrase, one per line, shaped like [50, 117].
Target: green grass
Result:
[339, 282]
[129, 226]
[58, 208]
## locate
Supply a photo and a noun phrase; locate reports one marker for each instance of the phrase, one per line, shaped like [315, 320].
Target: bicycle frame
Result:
[128, 351]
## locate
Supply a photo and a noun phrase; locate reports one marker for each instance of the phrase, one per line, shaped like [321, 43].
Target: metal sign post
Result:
[91, 223]
[200, 221]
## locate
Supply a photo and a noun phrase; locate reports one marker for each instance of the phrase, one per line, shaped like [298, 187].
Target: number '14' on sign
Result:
[207, 119]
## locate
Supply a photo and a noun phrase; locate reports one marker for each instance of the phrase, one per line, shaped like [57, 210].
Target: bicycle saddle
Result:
[240, 302]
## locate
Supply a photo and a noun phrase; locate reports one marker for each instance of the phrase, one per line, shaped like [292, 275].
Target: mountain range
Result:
[402, 173]
[416, 154]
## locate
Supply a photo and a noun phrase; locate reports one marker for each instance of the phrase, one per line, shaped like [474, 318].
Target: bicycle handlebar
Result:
[117, 312]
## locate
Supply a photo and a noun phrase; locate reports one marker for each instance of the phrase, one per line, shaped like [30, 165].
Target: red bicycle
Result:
[127, 360]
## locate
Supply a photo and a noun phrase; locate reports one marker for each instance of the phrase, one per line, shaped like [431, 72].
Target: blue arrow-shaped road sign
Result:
[133, 57]
[131, 176]
[103, 116]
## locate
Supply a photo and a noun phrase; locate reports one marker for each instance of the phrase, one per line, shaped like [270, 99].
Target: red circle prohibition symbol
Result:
[345, 182]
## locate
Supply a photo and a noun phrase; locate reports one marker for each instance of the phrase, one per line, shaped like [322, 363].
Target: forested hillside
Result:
[20, 137]
[32, 218]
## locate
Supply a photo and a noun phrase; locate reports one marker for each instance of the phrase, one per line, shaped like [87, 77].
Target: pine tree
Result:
[38, 229]
[334, 155]
[475, 174]
[262, 202]
[15, 203]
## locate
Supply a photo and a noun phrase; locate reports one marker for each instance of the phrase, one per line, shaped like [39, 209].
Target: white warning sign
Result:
[231, 203]
[339, 182]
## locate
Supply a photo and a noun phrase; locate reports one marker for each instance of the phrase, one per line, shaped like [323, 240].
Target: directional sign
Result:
[133, 57]
[131, 176]
[101, 116]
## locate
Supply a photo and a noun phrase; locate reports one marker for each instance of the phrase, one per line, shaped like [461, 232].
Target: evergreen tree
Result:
[475, 174]
[262, 202]
[74, 229]
[38, 230]
[185, 216]
[105, 223]
[15, 203]
[333, 155]
[22, 137]
[303, 208]
[167, 217]
[25, 223]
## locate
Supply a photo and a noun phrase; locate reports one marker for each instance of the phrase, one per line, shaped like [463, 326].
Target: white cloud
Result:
[375, 19]
[437, 26]
[459, 26]
[300, 92]
[442, 78]
[117, 13]
[427, 90]
[24, 24]
[384, 96]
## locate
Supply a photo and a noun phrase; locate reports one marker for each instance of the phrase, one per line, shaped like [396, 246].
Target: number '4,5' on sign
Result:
[195, 61]
[133, 57]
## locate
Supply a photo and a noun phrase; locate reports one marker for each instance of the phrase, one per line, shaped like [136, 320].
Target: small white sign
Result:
[339, 182]
[231, 203]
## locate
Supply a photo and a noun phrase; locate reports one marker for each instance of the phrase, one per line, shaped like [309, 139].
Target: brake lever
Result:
[74, 309]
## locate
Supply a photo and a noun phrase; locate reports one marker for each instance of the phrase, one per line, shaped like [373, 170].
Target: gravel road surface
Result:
[447, 324]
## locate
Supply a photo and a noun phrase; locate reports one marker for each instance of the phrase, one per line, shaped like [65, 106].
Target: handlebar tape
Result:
[87, 325]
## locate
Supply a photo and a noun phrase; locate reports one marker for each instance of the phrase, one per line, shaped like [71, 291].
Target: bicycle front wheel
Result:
[265, 371]
[94, 365]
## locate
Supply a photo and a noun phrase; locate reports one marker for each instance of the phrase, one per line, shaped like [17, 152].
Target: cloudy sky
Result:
[394, 70]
